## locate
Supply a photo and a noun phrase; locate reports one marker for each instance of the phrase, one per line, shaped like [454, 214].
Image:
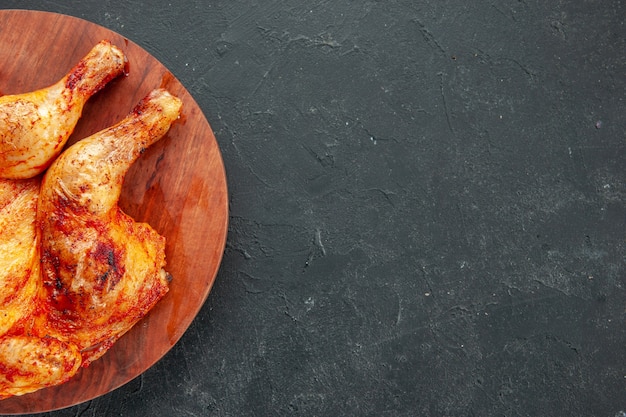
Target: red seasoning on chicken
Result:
[19, 250]
[35, 126]
[76, 272]
[101, 270]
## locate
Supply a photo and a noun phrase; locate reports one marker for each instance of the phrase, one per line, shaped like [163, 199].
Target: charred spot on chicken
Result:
[76, 272]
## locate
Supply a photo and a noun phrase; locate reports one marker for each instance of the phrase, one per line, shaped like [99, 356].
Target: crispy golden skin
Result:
[29, 359]
[29, 363]
[35, 126]
[76, 272]
[19, 250]
[101, 270]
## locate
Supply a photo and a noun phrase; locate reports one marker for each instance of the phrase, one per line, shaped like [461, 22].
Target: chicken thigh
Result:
[19, 250]
[101, 270]
[35, 126]
[28, 360]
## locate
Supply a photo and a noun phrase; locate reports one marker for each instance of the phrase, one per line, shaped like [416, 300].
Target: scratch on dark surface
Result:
[523, 302]
[553, 286]
[528, 72]
[287, 307]
[318, 248]
[257, 176]
[324, 39]
[309, 260]
[248, 166]
[445, 104]
[180, 411]
[428, 36]
[325, 161]
[464, 224]
[558, 27]
[508, 16]
[318, 241]
[242, 26]
[241, 250]
[500, 60]
[81, 412]
[400, 308]
[262, 80]
[139, 389]
[429, 284]
[354, 50]
[375, 139]
[430, 325]
[252, 284]
[387, 194]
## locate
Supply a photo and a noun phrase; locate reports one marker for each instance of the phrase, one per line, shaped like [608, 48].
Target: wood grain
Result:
[178, 186]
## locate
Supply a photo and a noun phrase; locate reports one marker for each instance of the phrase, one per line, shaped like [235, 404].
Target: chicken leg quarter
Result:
[101, 270]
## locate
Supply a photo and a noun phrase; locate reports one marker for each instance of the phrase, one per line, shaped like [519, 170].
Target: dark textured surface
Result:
[428, 207]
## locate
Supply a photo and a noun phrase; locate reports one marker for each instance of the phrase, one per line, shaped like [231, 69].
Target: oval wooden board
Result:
[178, 186]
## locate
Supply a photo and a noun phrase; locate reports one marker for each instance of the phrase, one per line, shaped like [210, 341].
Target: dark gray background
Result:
[428, 207]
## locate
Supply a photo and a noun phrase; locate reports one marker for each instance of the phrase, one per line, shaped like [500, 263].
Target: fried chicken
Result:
[76, 272]
[35, 126]
[101, 270]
